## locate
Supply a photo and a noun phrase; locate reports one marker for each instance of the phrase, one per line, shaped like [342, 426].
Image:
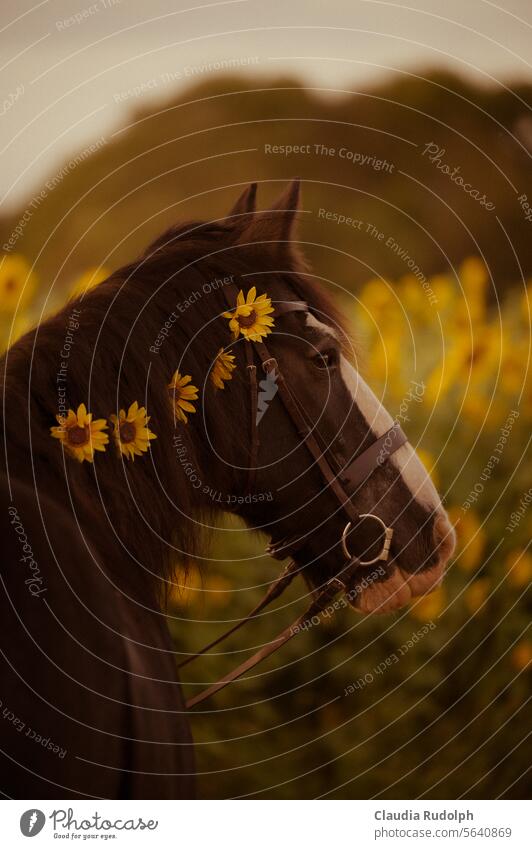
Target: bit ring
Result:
[384, 552]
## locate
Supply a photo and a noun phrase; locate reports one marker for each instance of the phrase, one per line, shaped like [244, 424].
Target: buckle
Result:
[267, 368]
[336, 584]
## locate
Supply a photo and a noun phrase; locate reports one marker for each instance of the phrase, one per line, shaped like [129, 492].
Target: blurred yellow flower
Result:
[514, 363]
[378, 299]
[444, 289]
[475, 407]
[468, 360]
[13, 328]
[471, 538]
[385, 361]
[518, 564]
[483, 353]
[414, 299]
[429, 606]
[471, 305]
[201, 592]
[186, 591]
[449, 371]
[218, 592]
[88, 280]
[474, 275]
[522, 655]
[476, 594]
[17, 282]
[526, 303]
[428, 461]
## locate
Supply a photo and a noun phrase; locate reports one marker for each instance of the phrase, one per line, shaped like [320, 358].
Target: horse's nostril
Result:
[444, 537]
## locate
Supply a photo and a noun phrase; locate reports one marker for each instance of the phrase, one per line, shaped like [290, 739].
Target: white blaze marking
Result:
[312, 321]
[377, 418]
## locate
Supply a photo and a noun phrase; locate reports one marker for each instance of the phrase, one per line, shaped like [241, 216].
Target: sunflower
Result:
[17, 281]
[88, 280]
[466, 359]
[471, 538]
[251, 317]
[131, 432]
[430, 606]
[222, 369]
[80, 436]
[518, 564]
[430, 464]
[522, 655]
[476, 594]
[377, 300]
[182, 393]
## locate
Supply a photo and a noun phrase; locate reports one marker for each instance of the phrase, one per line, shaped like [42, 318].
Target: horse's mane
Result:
[146, 508]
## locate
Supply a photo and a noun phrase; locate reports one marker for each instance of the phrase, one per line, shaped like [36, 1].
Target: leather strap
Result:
[254, 431]
[358, 471]
[316, 607]
[274, 591]
[305, 432]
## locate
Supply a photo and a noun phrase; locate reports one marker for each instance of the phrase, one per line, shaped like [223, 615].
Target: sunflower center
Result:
[247, 320]
[78, 435]
[128, 431]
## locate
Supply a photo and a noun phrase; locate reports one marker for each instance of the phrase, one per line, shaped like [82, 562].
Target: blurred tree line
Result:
[179, 159]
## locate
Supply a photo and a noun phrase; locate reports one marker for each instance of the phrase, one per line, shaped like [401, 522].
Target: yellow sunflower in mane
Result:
[222, 369]
[131, 432]
[251, 317]
[182, 393]
[80, 435]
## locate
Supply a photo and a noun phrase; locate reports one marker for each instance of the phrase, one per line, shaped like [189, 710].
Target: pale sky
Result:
[66, 82]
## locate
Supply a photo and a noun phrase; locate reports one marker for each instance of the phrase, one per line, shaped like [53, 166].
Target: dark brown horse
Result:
[90, 699]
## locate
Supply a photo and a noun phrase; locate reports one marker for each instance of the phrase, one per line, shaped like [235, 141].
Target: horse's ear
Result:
[245, 203]
[275, 226]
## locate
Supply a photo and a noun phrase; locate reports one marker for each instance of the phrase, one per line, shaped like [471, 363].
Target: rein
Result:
[350, 476]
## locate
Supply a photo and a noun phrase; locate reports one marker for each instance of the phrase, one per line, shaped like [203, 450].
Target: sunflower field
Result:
[432, 700]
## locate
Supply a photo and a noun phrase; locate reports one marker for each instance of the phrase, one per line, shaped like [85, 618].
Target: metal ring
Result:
[385, 551]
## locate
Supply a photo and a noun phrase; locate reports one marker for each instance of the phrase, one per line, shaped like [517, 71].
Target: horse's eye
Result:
[326, 360]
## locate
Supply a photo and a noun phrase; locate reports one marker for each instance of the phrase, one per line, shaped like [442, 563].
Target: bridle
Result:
[338, 478]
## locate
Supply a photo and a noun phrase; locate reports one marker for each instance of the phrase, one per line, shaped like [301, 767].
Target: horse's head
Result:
[289, 497]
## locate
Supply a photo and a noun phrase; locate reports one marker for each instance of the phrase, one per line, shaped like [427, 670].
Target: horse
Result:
[96, 525]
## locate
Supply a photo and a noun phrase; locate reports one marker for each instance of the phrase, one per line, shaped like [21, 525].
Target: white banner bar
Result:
[268, 824]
